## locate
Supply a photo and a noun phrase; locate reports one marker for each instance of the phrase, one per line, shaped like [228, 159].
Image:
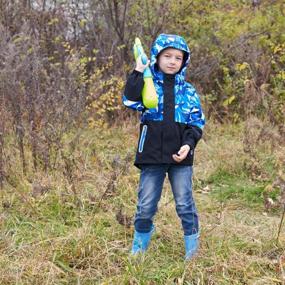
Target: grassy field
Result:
[74, 224]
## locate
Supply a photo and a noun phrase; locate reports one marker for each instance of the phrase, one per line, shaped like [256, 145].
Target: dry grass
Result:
[82, 234]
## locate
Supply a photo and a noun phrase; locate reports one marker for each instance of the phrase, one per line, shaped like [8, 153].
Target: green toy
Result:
[149, 96]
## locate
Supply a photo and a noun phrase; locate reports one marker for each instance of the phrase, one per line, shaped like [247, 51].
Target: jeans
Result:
[149, 193]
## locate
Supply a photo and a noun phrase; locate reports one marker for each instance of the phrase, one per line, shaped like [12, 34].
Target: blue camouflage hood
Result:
[187, 102]
[162, 42]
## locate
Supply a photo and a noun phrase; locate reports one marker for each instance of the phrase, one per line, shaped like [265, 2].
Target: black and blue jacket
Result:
[177, 120]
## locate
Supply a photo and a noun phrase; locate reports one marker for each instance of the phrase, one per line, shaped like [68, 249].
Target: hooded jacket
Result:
[177, 120]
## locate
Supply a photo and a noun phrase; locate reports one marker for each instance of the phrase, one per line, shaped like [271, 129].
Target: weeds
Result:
[47, 237]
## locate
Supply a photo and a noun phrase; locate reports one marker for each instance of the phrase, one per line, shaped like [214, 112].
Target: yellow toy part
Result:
[149, 96]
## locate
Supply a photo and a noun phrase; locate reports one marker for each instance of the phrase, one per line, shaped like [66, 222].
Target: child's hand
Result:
[182, 153]
[140, 66]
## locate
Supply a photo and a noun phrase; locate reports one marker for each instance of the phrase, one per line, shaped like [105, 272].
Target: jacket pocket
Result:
[142, 138]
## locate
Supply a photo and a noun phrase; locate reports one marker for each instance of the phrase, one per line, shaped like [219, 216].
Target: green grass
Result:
[226, 186]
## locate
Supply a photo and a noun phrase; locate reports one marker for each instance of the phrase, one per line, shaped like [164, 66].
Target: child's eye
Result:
[179, 58]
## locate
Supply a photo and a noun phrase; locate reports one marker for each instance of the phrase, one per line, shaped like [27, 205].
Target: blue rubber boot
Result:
[141, 241]
[191, 245]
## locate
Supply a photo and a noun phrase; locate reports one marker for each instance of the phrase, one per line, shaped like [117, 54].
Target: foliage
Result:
[42, 96]
[235, 48]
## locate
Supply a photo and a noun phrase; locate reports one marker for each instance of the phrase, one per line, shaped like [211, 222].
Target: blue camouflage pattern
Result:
[187, 102]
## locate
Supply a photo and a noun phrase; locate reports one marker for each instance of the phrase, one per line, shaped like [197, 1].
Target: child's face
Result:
[170, 60]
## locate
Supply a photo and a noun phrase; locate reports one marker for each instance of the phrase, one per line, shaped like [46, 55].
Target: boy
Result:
[168, 136]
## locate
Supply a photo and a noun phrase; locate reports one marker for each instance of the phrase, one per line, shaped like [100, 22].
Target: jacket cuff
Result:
[191, 143]
[136, 72]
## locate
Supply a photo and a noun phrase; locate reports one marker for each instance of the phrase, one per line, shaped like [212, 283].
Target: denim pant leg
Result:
[180, 178]
[149, 193]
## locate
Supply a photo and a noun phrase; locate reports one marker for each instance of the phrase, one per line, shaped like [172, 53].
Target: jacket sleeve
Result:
[194, 130]
[132, 97]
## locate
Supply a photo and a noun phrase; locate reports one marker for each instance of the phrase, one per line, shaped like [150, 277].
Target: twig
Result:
[281, 222]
